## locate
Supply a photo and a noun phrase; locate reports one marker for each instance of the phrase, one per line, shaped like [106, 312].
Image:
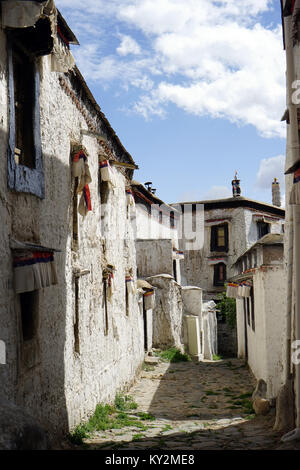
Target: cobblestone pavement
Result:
[196, 406]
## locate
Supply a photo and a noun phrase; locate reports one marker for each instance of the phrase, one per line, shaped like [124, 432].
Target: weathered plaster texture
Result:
[63, 386]
[154, 257]
[265, 355]
[167, 315]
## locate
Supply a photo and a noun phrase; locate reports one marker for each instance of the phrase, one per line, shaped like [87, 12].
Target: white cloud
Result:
[214, 56]
[269, 169]
[128, 46]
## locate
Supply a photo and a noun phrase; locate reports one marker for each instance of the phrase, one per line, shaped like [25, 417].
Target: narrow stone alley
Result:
[193, 406]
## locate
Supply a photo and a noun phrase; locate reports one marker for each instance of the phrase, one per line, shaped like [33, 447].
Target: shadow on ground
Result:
[196, 406]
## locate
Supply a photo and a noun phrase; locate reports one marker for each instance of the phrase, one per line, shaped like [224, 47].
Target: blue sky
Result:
[195, 89]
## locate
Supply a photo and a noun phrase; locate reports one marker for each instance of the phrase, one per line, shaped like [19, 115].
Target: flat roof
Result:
[238, 201]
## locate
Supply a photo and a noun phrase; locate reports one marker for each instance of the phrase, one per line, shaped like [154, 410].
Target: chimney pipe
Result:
[276, 197]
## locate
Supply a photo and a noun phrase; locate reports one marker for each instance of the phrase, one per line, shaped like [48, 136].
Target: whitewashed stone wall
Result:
[64, 387]
[155, 241]
[168, 312]
[265, 355]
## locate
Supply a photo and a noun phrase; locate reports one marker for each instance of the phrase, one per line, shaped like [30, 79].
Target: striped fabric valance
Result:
[239, 290]
[33, 270]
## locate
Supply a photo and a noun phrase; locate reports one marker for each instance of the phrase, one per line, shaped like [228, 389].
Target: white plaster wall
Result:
[168, 313]
[149, 227]
[64, 387]
[275, 309]
[257, 345]
[154, 257]
[251, 227]
[155, 241]
[265, 355]
[240, 323]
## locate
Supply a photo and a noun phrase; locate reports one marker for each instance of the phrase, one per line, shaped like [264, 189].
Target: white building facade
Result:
[72, 331]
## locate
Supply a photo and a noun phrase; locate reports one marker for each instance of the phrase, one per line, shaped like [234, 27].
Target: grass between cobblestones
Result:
[115, 416]
[173, 355]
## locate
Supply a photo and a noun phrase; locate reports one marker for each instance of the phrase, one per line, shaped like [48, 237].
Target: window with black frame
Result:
[263, 228]
[24, 47]
[219, 274]
[219, 238]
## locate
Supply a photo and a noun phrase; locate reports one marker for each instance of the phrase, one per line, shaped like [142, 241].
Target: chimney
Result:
[276, 197]
[236, 189]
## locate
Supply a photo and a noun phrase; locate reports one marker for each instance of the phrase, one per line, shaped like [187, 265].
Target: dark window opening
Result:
[24, 143]
[172, 220]
[76, 323]
[37, 40]
[126, 300]
[219, 274]
[28, 304]
[219, 238]
[23, 77]
[105, 307]
[247, 309]
[104, 191]
[175, 270]
[263, 229]
[252, 309]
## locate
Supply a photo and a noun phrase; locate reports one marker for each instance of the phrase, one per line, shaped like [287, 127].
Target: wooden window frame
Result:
[260, 230]
[217, 281]
[23, 178]
[214, 238]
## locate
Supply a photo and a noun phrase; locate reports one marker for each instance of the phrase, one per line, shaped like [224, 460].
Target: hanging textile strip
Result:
[244, 289]
[295, 193]
[130, 285]
[62, 37]
[79, 159]
[62, 59]
[129, 198]
[34, 270]
[232, 290]
[149, 300]
[80, 169]
[20, 14]
[107, 173]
